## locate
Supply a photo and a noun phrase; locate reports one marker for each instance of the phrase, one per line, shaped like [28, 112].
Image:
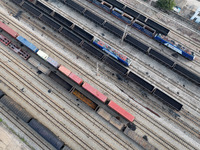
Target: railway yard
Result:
[58, 90]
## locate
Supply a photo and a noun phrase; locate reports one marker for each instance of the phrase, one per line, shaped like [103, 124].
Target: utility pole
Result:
[124, 34]
[97, 71]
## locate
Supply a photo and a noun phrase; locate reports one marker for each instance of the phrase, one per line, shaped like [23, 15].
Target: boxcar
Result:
[27, 44]
[121, 111]
[8, 30]
[94, 92]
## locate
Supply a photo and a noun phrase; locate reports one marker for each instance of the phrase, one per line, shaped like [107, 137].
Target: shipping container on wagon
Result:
[53, 62]
[84, 99]
[141, 82]
[48, 135]
[93, 17]
[27, 44]
[94, 92]
[139, 45]
[30, 8]
[64, 70]
[138, 139]
[116, 66]
[60, 81]
[8, 30]
[43, 7]
[104, 114]
[159, 28]
[83, 33]
[160, 57]
[167, 99]
[118, 32]
[1, 93]
[131, 12]
[188, 74]
[121, 111]
[16, 108]
[75, 6]
[71, 36]
[116, 4]
[75, 78]
[42, 54]
[62, 20]
[92, 50]
[4, 40]
[50, 22]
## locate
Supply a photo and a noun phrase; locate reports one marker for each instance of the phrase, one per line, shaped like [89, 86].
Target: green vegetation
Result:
[165, 4]
[1, 120]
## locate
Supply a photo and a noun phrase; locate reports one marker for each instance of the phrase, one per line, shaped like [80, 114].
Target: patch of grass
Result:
[1, 120]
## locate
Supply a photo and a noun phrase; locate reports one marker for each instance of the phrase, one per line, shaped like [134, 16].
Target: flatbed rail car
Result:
[114, 64]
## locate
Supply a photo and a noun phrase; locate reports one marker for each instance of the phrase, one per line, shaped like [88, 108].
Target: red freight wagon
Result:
[64, 70]
[94, 92]
[75, 78]
[121, 111]
[8, 30]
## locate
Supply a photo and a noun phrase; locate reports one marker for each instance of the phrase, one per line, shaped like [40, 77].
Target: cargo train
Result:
[50, 137]
[118, 67]
[130, 75]
[73, 33]
[91, 90]
[142, 24]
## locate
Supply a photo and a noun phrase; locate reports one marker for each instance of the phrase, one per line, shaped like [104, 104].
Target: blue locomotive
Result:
[112, 52]
[174, 46]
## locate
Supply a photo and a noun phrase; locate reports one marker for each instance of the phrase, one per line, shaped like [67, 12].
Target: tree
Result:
[165, 4]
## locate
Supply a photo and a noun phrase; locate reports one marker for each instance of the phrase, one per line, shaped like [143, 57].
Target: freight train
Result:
[73, 33]
[130, 75]
[69, 33]
[50, 137]
[91, 90]
[142, 24]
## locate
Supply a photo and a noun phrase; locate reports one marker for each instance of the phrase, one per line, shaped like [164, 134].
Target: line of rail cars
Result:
[45, 132]
[134, 42]
[114, 53]
[49, 136]
[142, 24]
[121, 69]
[21, 113]
[68, 73]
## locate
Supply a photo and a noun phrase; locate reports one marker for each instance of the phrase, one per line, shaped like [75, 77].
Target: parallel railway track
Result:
[171, 31]
[23, 128]
[165, 78]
